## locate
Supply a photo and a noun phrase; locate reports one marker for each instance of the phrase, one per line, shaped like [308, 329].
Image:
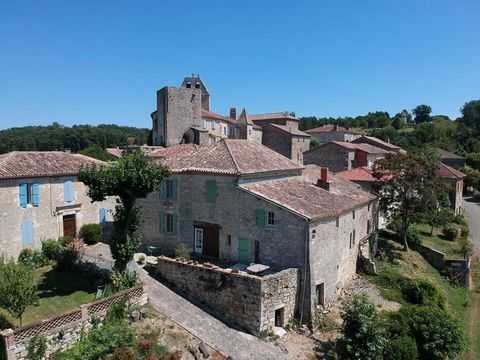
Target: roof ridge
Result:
[235, 164]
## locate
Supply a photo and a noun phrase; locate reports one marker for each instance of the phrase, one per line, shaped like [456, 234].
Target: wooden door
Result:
[210, 242]
[69, 226]
[243, 256]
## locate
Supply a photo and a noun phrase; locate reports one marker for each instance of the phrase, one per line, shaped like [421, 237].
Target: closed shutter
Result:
[35, 194]
[211, 191]
[161, 222]
[68, 191]
[162, 190]
[174, 189]
[22, 188]
[103, 217]
[260, 217]
[27, 232]
[174, 224]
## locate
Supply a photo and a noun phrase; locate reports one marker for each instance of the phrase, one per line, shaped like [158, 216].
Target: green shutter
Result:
[161, 222]
[174, 189]
[260, 217]
[162, 190]
[174, 224]
[211, 191]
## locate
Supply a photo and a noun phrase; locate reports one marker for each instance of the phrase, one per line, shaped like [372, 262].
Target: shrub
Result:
[450, 232]
[91, 233]
[50, 249]
[363, 331]
[401, 348]
[460, 219]
[69, 255]
[183, 251]
[65, 240]
[422, 292]
[123, 353]
[466, 246]
[413, 236]
[32, 258]
[36, 348]
[122, 280]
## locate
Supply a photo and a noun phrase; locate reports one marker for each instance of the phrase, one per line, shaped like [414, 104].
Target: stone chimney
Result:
[324, 181]
[233, 113]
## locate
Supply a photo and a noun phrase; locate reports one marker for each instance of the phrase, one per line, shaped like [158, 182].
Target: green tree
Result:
[18, 289]
[422, 114]
[133, 176]
[363, 330]
[471, 115]
[404, 182]
[97, 152]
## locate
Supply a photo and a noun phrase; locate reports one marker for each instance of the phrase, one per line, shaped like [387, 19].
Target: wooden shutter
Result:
[103, 217]
[22, 188]
[68, 191]
[211, 191]
[260, 217]
[35, 194]
[27, 232]
[174, 189]
[174, 223]
[162, 190]
[162, 222]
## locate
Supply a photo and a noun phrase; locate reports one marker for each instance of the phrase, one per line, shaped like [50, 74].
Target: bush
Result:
[413, 236]
[466, 246]
[183, 251]
[401, 348]
[422, 292]
[65, 240]
[363, 330]
[122, 280]
[68, 256]
[450, 232]
[36, 348]
[460, 219]
[32, 258]
[50, 249]
[91, 233]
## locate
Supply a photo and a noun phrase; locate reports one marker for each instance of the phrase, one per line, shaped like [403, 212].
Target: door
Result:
[210, 242]
[243, 250]
[69, 225]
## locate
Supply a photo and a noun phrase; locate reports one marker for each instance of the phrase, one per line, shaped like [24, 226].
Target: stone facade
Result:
[336, 158]
[255, 303]
[285, 143]
[341, 135]
[47, 218]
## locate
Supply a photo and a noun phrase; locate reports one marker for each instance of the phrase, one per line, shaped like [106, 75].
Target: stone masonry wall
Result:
[332, 156]
[47, 217]
[277, 140]
[246, 300]
[64, 330]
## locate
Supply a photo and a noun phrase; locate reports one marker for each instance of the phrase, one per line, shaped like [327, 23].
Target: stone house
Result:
[341, 156]
[329, 132]
[455, 178]
[241, 202]
[451, 159]
[41, 198]
[378, 143]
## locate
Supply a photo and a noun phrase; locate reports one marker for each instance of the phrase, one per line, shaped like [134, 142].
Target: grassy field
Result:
[59, 292]
[472, 319]
[435, 241]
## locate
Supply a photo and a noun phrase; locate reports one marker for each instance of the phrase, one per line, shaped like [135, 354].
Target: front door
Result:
[210, 241]
[69, 225]
[243, 250]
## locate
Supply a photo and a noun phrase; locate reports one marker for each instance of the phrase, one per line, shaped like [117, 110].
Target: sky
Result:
[92, 62]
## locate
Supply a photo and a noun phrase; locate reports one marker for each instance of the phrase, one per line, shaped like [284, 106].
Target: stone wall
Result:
[434, 257]
[246, 300]
[47, 217]
[330, 155]
[277, 140]
[62, 331]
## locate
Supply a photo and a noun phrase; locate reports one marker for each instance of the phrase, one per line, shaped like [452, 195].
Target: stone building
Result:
[239, 201]
[378, 143]
[183, 115]
[340, 156]
[455, 179]
[329, 132]
[41, 198]
[451, 159]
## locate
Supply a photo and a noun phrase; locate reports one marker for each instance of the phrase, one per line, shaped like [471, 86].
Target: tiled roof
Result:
[212, 115]
[229, 156]
[290, 130]
[444, 154]
[28, 164]
[363, 173]
[325, 128]
[364, 139]
[448, 172]
[271, 116]
[302, 196]
[370, 149]
[116, 152]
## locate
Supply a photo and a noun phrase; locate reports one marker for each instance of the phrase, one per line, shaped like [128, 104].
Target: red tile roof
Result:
[302, 196]
[363, 173]
[325, 128]
[29, 164]
[377, 141]
[212, 115]
[272, 116]
[289, 130]
[228, 157]
[448, 172]
[444, 154]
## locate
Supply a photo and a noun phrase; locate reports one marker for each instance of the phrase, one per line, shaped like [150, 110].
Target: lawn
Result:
[58, 292]
[472, 320]
[435, 241]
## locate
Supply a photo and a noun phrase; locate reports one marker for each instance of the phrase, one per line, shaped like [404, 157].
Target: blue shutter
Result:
[23, 195]
[35, 194]
[27, 232]
[68, 191]
[103, 217]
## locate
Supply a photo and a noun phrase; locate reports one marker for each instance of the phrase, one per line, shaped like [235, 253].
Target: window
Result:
[270, 218]
[199, 240]
[229, 240]
[260, 217]
[197, 84]
[337, 222]
[214, 125]
[314, 234]
[352, 239]
[369, 226]
[68, 194]
[189, 84]
[225, 130]
[169, 189]
[353, 214]
[29, 194]
[204, 124]
[320, 292]
[167, 223]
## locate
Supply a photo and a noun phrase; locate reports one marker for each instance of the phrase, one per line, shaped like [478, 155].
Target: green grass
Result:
[472, 319]
[58, 292]
[451, 249]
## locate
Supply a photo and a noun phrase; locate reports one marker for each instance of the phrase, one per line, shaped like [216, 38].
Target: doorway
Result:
[320, 292]
[243, 256]
[279, 316]
[207, 240]
[69, 225]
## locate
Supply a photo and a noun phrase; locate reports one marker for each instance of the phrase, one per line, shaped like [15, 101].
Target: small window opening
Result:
[197, 85]
[189, 85]
[320, 293]
[314, 234]
[279, 317]
[270, 218]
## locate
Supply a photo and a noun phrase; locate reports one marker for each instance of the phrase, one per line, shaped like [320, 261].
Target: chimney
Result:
[233, 113]
[324, 181]
[335, 127]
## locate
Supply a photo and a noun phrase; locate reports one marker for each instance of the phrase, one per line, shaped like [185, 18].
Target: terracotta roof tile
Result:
[448, 172]
[444, 154]
[363, 139]
[212, 115]
[272, 116]
[28, 164]
[363, 173]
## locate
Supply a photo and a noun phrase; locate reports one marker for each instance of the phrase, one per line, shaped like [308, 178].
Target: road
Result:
[473, 210]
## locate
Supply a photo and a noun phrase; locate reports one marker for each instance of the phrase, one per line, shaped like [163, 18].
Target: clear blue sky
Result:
[102, 61]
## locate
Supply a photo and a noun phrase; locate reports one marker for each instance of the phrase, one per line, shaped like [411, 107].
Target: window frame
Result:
[270, 219]
[169, 223]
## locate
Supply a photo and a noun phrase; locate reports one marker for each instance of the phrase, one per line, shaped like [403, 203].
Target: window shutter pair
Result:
[163, 191]
[211, 191]
[27, 232]
[260, 217]
[162, 223]
[68, 195]
[23, 192]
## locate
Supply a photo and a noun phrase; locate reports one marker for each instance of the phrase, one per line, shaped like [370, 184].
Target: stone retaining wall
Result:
[247, 300]
[64, 330]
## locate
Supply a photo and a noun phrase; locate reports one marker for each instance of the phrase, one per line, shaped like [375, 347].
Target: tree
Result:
[471, 115]
[363, 330]
[133, 176]
[404, 181]
[97, 152]
[18, 288]
[422, 114]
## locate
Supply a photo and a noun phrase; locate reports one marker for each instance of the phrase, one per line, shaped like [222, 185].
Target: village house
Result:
[329, 132]
[239, 201]
[455, 179]
[378, 143]
[41, 198]
[341, 156]
[451, 159]
[183, 116]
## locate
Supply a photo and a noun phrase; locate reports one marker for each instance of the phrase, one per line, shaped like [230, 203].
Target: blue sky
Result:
[102, 61]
